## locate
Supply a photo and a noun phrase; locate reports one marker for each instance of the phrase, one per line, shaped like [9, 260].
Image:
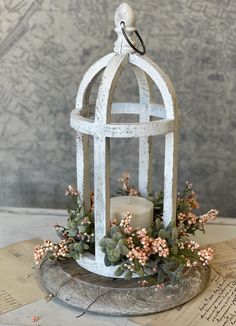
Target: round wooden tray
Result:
[75, 286]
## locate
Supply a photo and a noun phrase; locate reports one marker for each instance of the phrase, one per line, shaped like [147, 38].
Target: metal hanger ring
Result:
[142, 52]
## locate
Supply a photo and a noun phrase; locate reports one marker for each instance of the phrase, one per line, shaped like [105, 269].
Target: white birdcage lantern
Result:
[102, 130]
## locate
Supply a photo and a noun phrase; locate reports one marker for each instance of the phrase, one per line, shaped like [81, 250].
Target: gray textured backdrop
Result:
[45, 48]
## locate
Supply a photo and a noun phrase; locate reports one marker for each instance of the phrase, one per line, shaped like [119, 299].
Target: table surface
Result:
[18, 224]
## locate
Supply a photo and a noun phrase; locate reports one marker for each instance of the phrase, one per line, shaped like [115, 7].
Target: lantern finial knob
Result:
[124, 14]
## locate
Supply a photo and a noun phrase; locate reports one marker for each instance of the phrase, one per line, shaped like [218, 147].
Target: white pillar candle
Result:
[141, 208]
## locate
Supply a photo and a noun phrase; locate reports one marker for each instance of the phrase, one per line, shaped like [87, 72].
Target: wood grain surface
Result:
[77, 287]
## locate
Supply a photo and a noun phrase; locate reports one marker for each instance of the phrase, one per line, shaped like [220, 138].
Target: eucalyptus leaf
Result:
[123, 249]
[137, 265]
[119, 271]
[117, 236]
[110, 244]
[81, 228]
[140, 273]
[114, 229]
[175, 249]
[162, 234]
[113, 255]
[71, 225]
[128, 275]
[82, 211]
[107, 261]
[79, 246]
[116, 252]
[76, 256]
[72, 232]
[102, 243]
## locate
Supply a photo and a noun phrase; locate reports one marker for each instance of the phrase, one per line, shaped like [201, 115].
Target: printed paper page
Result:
[18, 277]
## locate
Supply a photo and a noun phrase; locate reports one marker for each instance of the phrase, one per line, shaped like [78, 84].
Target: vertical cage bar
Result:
[170, 177]
[82, 165]
[145, 143]
[101, 192]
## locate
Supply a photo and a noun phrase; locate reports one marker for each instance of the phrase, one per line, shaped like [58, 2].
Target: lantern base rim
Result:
[90, 292]
[88, 262]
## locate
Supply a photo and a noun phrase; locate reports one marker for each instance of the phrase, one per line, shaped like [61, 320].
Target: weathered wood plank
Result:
[107, 87]
[145, 142]
[88, 80]
[170, 177]
[124, 130]
[82, 140]
[170, 103]
[77, 287]
[82, 166]
[161, 80]
[101, 193]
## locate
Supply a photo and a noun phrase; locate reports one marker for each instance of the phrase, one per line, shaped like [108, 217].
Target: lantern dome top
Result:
[146, 71]
[111, 66]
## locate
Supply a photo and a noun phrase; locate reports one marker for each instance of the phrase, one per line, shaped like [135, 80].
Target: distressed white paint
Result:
[107, 87]
[170, 103]
[89, 79]
[122, 130]
[82, 166]
[102, 130]
[102, 150]
[145, 142]
[82, 141]
[156, 110]
[101, 191]
[124, 13]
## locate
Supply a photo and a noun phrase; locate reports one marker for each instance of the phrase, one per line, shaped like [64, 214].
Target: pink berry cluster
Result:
[189, 219]
[57, 250]
[209, 216]
[190, 263]
[160, 286]
[186, 202]
[206, 255]
[72, 191]
[114, 222]
[86, 220]
[159, 246]
[125, 185]
[124, 180]
[138, 253]
[143, 282]
[190, 244]
[147, 245]
[125, 223]
[41, 250]
[189, 196]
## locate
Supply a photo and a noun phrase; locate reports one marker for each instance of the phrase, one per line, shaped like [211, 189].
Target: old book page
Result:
[215, 306]
[18, 276]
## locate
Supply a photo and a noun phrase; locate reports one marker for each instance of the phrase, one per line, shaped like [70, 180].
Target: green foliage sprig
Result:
[166, 252]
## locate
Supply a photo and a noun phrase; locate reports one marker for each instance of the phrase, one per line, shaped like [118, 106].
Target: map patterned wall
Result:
[46, 47]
